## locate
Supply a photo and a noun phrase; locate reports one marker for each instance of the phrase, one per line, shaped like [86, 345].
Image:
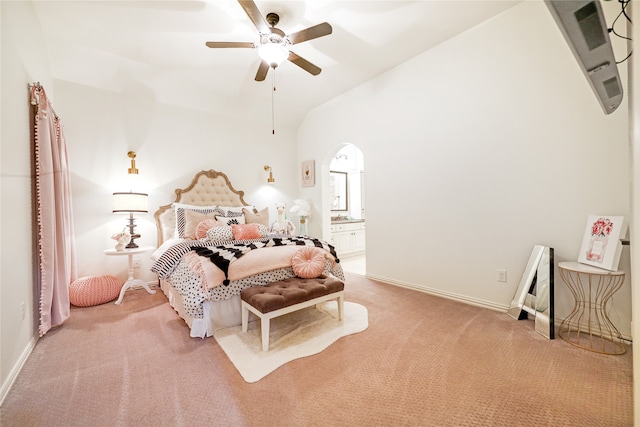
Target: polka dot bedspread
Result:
[189, 286]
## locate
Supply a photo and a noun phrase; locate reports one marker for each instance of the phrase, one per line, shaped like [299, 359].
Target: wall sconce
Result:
[130, 203]
[271, 179]
[132, 156]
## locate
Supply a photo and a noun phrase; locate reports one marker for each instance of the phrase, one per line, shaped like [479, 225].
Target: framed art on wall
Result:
[308, 173]
[601, 245]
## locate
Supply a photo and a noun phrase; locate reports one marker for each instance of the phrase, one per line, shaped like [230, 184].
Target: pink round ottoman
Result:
[94, 290]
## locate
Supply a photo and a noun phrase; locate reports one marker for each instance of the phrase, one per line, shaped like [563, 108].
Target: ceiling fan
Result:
[274, 43]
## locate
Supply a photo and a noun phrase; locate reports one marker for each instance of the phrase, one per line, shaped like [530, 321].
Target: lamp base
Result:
[132, 244]
[132, 225]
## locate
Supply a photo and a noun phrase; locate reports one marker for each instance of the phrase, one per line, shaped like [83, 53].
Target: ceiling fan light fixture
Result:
[273, 54]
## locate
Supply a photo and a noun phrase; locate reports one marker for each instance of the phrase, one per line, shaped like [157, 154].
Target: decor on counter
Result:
[302, 209]
[601, 244]
[308, 173]
[535, 292]
[271, 179]
[123, 238]
[130, 203]
[282, 225]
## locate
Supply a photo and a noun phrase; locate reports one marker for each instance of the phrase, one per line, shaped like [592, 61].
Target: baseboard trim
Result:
[152, 284]
[437, 292]
[467, 300]
[6, 386]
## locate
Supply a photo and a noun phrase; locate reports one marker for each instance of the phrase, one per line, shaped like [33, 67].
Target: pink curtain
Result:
[56, 245]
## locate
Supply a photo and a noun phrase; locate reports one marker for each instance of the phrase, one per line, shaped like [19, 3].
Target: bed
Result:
[212, 245]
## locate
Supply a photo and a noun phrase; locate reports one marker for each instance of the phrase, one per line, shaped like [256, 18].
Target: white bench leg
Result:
[265, 318]
[245, 318]
[264, 325]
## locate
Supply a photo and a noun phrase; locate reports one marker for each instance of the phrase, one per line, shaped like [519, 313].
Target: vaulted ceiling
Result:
[157, 48]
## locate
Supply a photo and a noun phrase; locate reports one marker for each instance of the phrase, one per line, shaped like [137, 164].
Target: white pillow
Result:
[234, 210]
[224, 233]
[163, 247]
[228, 220]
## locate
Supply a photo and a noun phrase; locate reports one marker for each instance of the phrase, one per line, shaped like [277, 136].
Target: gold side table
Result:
[588, 326]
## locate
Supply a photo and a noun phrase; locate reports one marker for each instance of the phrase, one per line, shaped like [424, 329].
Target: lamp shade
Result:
[273, 54]
[130, 202]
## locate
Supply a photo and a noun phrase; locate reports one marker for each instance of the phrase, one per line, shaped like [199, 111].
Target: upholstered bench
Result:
[286, 296]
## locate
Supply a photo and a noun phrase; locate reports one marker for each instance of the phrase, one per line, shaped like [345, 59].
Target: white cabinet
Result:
[348, 238]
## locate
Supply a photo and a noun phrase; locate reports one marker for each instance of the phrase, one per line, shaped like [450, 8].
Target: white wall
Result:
[486, 145]
[23, 62]
[172, 144]
[475, 151]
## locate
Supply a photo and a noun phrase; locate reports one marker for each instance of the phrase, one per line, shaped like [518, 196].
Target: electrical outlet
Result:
[136, 263]
[22, 310]
[502, 275]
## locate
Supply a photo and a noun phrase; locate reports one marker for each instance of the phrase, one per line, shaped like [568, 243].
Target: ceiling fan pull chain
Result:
[273, 108]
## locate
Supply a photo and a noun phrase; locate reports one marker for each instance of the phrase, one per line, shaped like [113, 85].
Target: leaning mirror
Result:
[338, 188]
[535, 292]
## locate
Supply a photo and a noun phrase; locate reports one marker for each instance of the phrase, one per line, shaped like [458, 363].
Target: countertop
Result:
[346, 221]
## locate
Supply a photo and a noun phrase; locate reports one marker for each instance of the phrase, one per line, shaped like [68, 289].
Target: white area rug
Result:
[292, 336]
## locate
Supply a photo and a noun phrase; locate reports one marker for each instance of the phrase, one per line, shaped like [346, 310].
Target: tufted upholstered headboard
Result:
[207, 188]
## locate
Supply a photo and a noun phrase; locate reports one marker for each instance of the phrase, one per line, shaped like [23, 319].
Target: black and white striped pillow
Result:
[181, 219]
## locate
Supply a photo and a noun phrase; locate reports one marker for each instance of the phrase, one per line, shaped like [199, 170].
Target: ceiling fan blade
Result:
[256, 17]
[262, 71]
[310, 33]
[230, 44]
[304, 64]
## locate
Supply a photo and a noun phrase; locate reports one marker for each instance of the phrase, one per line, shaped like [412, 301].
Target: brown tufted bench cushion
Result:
[286, 296]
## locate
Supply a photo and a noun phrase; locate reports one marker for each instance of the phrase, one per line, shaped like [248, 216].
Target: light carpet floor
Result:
[424, 361]
[299, 334]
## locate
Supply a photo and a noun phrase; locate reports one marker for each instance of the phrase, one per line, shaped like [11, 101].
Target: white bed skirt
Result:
[217, 314]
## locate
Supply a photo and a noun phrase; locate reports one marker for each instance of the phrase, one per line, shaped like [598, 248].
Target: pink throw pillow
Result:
[308, 262]
[204, 226]
[245, 231]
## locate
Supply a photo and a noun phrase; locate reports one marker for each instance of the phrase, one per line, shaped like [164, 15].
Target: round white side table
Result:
[588, 325]
[131, 281]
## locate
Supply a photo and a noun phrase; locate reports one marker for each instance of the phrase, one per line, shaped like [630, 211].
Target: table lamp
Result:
[130, 203]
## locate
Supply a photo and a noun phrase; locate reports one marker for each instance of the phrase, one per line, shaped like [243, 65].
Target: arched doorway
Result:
[346, 207]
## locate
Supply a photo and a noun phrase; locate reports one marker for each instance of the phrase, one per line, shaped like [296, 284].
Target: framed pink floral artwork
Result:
[601, 245]
[308, 173]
